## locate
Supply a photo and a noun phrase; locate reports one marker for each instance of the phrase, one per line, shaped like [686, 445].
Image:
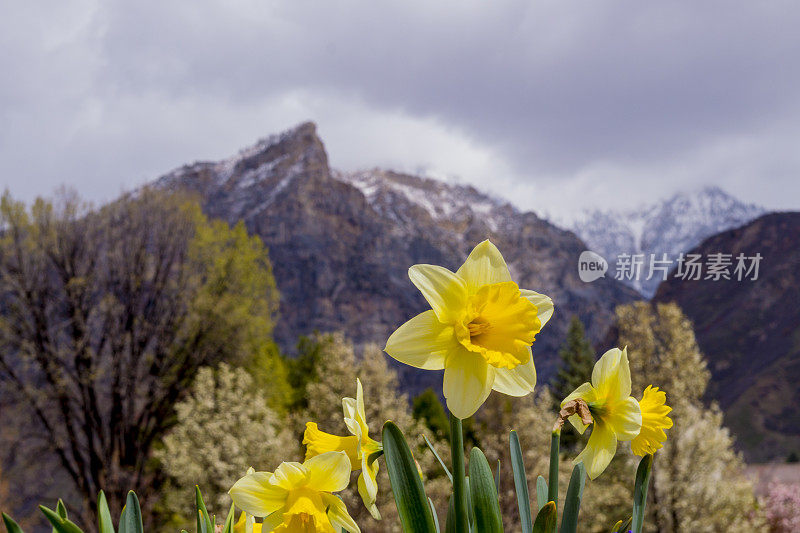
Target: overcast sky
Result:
[556, 105]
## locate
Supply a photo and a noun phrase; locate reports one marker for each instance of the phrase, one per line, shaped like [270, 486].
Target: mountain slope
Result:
[672, 226]
[750, 333]
[341, 244]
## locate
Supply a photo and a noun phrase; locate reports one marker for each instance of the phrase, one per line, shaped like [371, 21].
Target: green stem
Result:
[552, 484]
[459, 483]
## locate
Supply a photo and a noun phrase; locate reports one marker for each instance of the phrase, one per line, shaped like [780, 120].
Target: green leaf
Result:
[11, 526]
[60, 524]
[483, 494]
[572, 501]
[521, 483]
[104, 523]
[450, 524]
[640, 492]
[409, 493]
[541, 493]
[61, 509]
[229, 521]
[546, 519]
[435, 515]
[623, 527]
[438, 458]
[131, 519]
[204, 524]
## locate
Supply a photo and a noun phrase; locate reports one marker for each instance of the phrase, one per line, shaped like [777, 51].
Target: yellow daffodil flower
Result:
[297, 498]
[358, 447]
[654, 421]
[615, 414]
[480, 330]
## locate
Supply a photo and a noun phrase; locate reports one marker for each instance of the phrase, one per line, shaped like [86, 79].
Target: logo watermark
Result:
[591, 266]
[690, 267]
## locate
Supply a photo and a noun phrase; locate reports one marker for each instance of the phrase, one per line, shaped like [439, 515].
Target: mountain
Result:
[341, 243]
[672, 226]
[749, 331]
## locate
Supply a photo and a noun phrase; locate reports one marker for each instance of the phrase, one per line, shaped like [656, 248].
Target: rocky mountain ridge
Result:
[341, 243]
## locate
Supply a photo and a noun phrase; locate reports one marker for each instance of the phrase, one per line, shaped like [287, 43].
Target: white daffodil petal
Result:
[255, 495]
[599, 450]
[444, 291]
[544, 305]
[422, 342]
[485, 265]
[328, 472]
[517, 381]
[338, 515]
[468, 380]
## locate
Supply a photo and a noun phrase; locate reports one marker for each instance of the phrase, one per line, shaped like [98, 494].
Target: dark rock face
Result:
[750, 333]
[341, 244]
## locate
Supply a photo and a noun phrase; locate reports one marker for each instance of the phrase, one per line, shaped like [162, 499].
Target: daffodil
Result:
[358, 447]
[298, 498]
[246, 522]
[654, 421]
[480, 330]
[615, 413]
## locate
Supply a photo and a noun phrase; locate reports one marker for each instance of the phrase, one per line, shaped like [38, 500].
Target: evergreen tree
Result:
[428, 409]
[576, 357]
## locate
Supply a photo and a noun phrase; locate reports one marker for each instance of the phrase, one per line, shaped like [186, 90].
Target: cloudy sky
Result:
[556, 105]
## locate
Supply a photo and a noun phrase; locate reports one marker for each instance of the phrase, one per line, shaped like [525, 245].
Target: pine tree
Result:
[428, 409]
[576, 360]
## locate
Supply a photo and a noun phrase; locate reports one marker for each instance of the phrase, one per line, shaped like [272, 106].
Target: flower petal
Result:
[318, 442]
[484, 265]
[338, 515]
[517, 381]
[289, 475]
[611, 375]
[599, 450]
[544, 305]
[329, 472]
[468, 380]
[422, 342]
[444, 290]
[270, 522]
[625, 419]
[256, 495]
[368, 487]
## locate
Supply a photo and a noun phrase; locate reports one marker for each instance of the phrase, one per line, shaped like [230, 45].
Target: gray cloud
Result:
[554, 104]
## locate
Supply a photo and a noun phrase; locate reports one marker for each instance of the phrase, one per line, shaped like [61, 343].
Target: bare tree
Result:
[107, 315]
